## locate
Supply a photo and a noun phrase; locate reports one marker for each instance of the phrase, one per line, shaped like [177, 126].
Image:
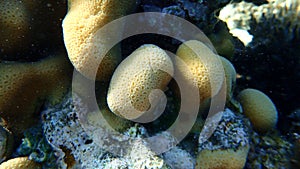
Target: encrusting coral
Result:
[205, 67]
[146, 69]
[259, 108]
[20, 163]
[24, 87]
[83, 44]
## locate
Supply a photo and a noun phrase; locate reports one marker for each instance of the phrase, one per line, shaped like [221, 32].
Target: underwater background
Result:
[246, 59]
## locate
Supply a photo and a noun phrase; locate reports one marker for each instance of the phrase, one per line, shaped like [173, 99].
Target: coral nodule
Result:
[205, 67]
[147, 68]
[82, 41]
[259, 108]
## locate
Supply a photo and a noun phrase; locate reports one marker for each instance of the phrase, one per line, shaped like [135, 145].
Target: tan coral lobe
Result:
[83, 41]
[203, 68]
[259, 108]
[146, 69]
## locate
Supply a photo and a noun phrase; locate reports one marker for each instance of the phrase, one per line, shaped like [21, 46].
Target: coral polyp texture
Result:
[24, 87]
[20, 163]
[83, 44]
[259, 108]
[14, 25]
[130, 90]
[202, 69]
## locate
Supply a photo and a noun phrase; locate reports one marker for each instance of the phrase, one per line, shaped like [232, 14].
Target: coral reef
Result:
[146, 69]
[259, 108]
[229, 144]
[6, 144]
[24, 87]
[20, 163]
[269, 151]
[203, 68]
[83, 44]
[138, 103]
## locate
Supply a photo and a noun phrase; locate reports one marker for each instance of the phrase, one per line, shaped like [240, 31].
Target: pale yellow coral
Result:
[222, 159]
[203, 68]
[84, 44]
[259, 108]
[146, 69]
[20, 163]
